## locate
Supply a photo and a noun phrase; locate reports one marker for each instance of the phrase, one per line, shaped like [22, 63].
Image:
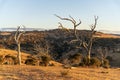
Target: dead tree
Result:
[75, 25]
[63, 28]
[88, 46]
[40, 49]
[71, 19]
[17, 37]
[103, 53]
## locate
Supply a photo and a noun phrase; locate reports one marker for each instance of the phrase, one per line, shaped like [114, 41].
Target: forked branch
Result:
[71, 19]
[17, 40]
[18, 34]
[88, 46]
[63, 28]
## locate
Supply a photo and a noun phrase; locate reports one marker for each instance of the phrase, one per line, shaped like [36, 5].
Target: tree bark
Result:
[74, 30]
[19, 54]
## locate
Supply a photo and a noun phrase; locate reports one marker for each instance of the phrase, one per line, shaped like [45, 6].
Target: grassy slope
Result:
[105, 35]
[13, 53]
[24, 72]
[54, 73]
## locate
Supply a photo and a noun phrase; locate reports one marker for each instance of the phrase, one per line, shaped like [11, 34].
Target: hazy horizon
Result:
[40, 13]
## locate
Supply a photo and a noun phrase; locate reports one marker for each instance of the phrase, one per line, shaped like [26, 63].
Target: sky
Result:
[40, 13]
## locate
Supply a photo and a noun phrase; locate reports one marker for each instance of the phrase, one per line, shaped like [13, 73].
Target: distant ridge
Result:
[26, 29]
[110, 32]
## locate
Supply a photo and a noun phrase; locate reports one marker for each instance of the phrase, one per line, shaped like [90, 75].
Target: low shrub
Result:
[106, 63]
[31, 61]
[9, 60]
[94, 61]
[75, 59]
[85, 61]
[76, 56]
[82, 64]
[45, 60]
[64, 73]
[109, 58]
[13, 58]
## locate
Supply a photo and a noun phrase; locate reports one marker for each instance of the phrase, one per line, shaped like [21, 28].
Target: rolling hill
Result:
[57, 43]
[27, 72]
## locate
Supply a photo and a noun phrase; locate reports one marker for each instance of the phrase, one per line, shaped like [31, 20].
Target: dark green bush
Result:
[76, 56]
[39, 60]
[9, 60]
[109, 58]
[82, 64]
[106, 63]
[13, 58]
[94, 61]
[31, 61]
[45, 60]
[85, 61]
[75, 59]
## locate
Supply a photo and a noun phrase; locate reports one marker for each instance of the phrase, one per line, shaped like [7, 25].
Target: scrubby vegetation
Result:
[64, 73]
[106, 63]
[50, 47]
[8, 60]
[32, 61]
[59, 46]
[45, 60]
[62, 45]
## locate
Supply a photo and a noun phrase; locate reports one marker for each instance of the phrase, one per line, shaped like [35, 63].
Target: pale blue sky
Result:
[40, 13]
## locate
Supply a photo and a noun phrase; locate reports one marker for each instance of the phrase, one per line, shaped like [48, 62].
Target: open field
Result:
[104, 35]
[8, 72]
[57, 72]
[25, 72]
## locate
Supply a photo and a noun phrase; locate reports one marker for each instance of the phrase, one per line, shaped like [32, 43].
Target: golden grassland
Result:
[105, 35]
[16, 72]
[26, 72]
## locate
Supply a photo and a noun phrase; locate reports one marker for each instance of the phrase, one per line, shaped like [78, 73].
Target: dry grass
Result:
[24, 72]
[13, 53]
[16, 72]
[104, 35]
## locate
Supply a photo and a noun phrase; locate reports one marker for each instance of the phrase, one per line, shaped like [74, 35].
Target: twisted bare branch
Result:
[18, 34]
[71, 19]
[88, 46]
[61, 26]
[17, 39]
[93, 26]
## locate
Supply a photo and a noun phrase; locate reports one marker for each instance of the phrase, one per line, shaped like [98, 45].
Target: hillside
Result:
[57, 43]
[8, 52]
[57, 46]
[105, 35]
[54, 73]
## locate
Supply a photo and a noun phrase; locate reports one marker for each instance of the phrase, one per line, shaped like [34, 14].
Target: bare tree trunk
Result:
[74, 30]
[89, 57]
[88, 46]
[103, 54]
[17, 39]
[19, 54]
[72, 20]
